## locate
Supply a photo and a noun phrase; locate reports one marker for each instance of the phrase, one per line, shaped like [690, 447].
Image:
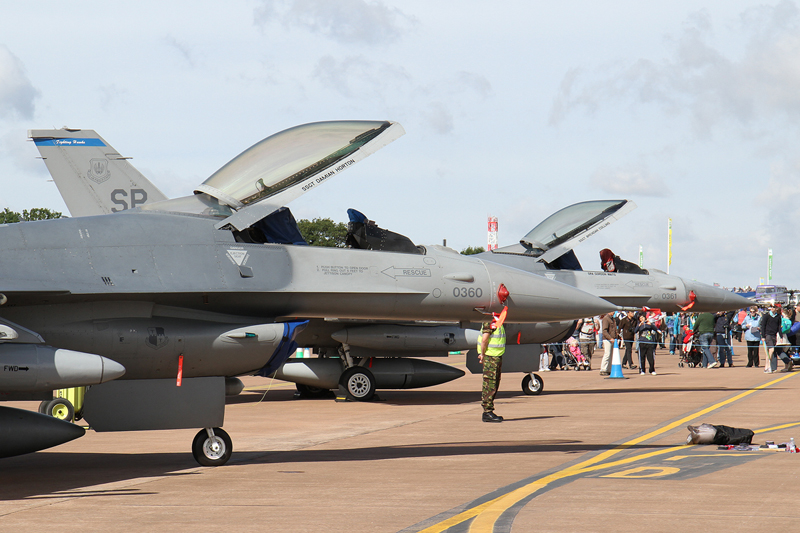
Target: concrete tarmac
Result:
[589, 454]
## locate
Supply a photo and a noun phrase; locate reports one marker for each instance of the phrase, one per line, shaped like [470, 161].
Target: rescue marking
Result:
[395, 272]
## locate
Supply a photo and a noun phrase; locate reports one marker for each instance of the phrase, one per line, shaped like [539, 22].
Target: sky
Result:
[513, 109]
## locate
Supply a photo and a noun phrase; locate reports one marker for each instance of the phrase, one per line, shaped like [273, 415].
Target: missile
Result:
[393, 373]
[37, 367]
[24, 432]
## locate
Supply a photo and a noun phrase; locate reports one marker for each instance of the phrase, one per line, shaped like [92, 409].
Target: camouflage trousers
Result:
[491, 381]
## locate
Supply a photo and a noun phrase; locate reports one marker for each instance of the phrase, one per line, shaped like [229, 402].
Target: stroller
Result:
[573, 356]
[691, 355]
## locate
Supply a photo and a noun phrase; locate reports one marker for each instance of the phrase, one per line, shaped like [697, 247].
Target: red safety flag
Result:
[180, 370]
[499, 319]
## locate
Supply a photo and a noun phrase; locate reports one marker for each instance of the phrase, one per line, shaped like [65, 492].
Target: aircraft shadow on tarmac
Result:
[445, 449]
[63, 475]
[436, 397]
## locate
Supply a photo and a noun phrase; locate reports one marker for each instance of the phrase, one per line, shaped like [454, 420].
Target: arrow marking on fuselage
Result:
[394, 272]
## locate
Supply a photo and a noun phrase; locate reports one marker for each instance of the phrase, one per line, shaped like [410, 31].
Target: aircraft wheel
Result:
[307, 391]
[43, 407]
[212, 451]
[61, 409]
[532, 384]
[358, 383]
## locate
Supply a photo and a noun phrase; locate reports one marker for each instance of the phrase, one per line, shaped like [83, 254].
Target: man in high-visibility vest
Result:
[491, 348]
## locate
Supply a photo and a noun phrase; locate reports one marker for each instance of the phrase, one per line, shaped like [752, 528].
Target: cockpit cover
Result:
[288, 164]
[561, 231]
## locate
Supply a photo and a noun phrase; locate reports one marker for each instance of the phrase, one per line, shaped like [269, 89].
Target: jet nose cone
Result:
[534, 298]
[111, 370]
[712, 299]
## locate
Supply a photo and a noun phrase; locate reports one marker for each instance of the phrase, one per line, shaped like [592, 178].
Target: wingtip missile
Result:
[24, 432]
[35, 367]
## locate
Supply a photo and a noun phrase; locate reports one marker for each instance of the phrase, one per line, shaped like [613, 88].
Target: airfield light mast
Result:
[492, 233]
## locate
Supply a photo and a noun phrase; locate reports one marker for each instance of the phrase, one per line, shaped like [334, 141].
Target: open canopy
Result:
[561, 231]
[288, 164]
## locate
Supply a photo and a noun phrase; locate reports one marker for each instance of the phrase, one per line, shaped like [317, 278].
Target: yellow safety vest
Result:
[497, 343]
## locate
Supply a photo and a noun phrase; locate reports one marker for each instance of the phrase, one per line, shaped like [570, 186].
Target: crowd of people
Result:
[690, 335]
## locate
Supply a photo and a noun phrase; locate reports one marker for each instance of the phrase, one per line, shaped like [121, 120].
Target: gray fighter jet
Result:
[546, 250]
[190, 292]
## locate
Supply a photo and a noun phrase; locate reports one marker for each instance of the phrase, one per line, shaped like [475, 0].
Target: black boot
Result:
[489, 416]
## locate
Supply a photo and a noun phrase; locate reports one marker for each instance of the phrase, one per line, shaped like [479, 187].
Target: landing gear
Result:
[58, 408]
[358, 383]
[212, 447]
[532, 384]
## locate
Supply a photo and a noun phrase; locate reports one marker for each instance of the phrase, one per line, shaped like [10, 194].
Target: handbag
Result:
[782, 340]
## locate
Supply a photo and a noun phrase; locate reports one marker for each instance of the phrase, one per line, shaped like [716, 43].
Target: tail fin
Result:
[92, 177]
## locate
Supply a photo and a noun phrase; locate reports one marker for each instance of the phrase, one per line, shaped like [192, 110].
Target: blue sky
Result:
[514, 109]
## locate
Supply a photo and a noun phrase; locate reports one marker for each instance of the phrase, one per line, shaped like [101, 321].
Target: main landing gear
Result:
[358, 383]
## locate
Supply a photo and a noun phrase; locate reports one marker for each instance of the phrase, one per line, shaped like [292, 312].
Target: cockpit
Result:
[280, 227]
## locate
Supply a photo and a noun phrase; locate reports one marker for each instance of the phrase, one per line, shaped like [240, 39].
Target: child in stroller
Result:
[691, 355]
[574, 356]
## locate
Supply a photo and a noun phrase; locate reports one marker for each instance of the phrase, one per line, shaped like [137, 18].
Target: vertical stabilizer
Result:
[92, 177]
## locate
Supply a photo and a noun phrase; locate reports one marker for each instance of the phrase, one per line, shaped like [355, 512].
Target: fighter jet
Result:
[546, 250]
[185, 293]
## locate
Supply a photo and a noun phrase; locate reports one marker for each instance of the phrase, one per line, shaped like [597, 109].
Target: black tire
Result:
[307, 391]
[43, 407]
[532, 386]
[61, 409]
[358, 383]
[212, 452]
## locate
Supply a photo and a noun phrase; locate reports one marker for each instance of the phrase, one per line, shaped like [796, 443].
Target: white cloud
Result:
[17, 94]
[359, 77]
[754, 87]
[474, 82]
[439, 118]
[629, 181]
[344, 21]
[185, 51]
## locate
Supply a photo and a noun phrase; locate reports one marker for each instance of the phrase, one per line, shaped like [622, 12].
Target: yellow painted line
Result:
[679, 457]
[636, 473]
[488, 513]
[775, 428]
